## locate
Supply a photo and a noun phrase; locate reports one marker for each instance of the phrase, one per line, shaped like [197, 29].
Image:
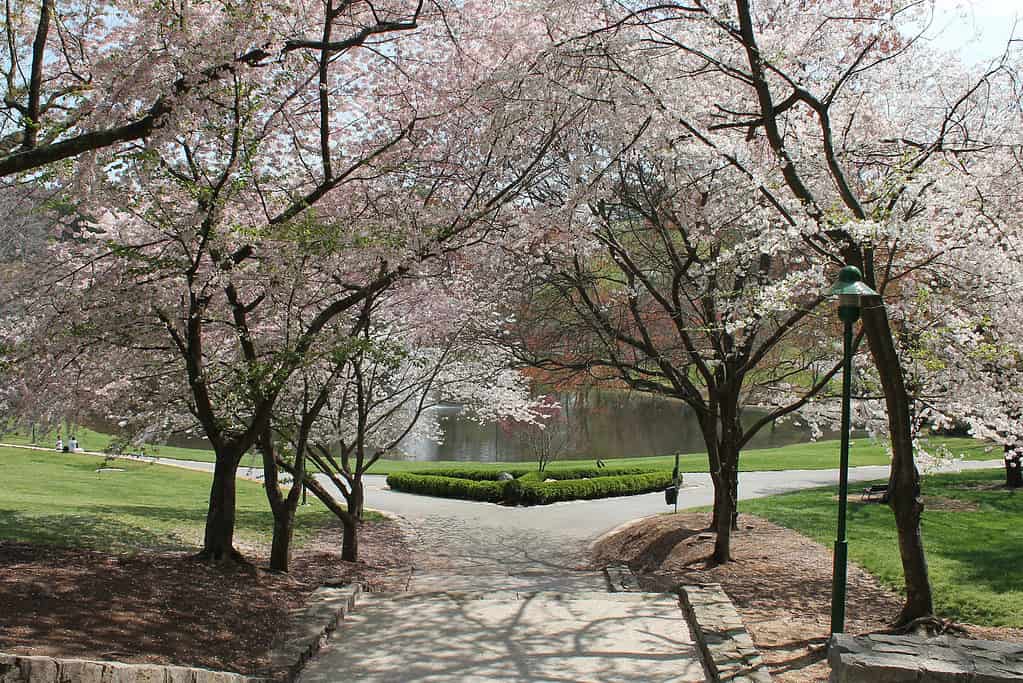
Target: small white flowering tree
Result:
[375, 387]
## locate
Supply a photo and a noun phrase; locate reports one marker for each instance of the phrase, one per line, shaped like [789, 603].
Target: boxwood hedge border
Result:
[532, 487]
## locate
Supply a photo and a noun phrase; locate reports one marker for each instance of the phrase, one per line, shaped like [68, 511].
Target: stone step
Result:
[527, 581]
[667, 599]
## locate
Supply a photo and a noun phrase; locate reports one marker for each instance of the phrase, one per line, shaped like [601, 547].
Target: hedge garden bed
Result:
[529, 487]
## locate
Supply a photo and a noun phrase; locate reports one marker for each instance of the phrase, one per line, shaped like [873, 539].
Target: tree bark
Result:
[1013, 471]
[350, 540]
[280, 547]
[283, 507]
[733, 487]
[717, 482]
[725, 511]
[357, 499]
[218, 541]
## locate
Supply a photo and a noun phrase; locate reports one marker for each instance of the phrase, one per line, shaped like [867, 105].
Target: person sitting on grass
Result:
[60, 444]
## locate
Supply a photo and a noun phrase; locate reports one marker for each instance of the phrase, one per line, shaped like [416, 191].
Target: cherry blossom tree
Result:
[854, 132]
[81, 77]
[684, 283]
[378, 382]
[281, 200]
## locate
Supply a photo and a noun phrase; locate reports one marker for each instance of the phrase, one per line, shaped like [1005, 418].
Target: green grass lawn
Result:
[806, 456]
[60, 499]
[90, 440]
[971, 530]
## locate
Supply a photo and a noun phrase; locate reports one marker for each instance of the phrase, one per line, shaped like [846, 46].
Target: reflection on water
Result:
[591, 424]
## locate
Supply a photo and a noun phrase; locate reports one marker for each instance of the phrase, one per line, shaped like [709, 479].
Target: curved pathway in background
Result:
[467, 538]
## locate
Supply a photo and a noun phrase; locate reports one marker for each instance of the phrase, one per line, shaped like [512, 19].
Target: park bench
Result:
[875, 494]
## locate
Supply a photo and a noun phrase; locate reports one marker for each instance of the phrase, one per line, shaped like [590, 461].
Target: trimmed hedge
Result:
[587, 473]
[474, 475]
[448, 487]
[529, 488]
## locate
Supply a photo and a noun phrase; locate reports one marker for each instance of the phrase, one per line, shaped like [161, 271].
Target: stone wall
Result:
[882, 658]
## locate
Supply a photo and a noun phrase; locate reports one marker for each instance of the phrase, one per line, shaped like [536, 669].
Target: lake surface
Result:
[589, 425]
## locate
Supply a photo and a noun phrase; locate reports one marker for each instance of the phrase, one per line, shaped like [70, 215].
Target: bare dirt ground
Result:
[170, 608]
[780, 582]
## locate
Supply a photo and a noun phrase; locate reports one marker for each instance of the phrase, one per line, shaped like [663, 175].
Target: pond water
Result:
[589, 425]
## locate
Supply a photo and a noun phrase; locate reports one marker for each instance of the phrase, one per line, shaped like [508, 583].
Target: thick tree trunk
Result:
[904, 481]
[280, 547]
[350, 540]
[218, 542]
[726, 501]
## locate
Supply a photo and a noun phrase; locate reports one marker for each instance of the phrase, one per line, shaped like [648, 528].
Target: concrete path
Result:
[448, 638]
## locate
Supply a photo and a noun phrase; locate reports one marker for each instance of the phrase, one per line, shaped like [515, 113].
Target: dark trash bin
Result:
[671, 495]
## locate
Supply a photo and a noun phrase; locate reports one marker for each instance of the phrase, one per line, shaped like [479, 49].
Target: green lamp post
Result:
[850, 288]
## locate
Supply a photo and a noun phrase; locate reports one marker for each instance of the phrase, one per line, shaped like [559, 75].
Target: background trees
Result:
[683, 283]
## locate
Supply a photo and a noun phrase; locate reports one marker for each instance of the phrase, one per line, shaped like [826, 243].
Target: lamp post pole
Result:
[849, 288]
[849, 315]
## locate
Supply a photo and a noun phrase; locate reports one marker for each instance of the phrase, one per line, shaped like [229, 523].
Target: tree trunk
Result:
[284, 528]
[218, 542]
[904, 481]
[719, 494]
[357, 499]
[733, 487]
[725, 512]
[350, 540]
[283, 507]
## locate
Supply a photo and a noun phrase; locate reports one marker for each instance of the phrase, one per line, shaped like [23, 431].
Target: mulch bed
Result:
[780, 582]
[169, 608]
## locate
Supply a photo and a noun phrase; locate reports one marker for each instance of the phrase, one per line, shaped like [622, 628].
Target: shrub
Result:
[542, 493]
[530, 487]
[595, 473]
[474, 475]
[448, 487]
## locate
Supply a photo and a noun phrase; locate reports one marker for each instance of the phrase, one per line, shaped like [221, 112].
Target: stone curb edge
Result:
[728, 650]
[36, 669]
[620, 578]
[308, 629]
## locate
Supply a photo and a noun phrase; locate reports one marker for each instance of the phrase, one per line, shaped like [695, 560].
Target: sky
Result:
[979, 28]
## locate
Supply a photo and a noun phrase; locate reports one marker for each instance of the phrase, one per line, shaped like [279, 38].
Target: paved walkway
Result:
[449, 638]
